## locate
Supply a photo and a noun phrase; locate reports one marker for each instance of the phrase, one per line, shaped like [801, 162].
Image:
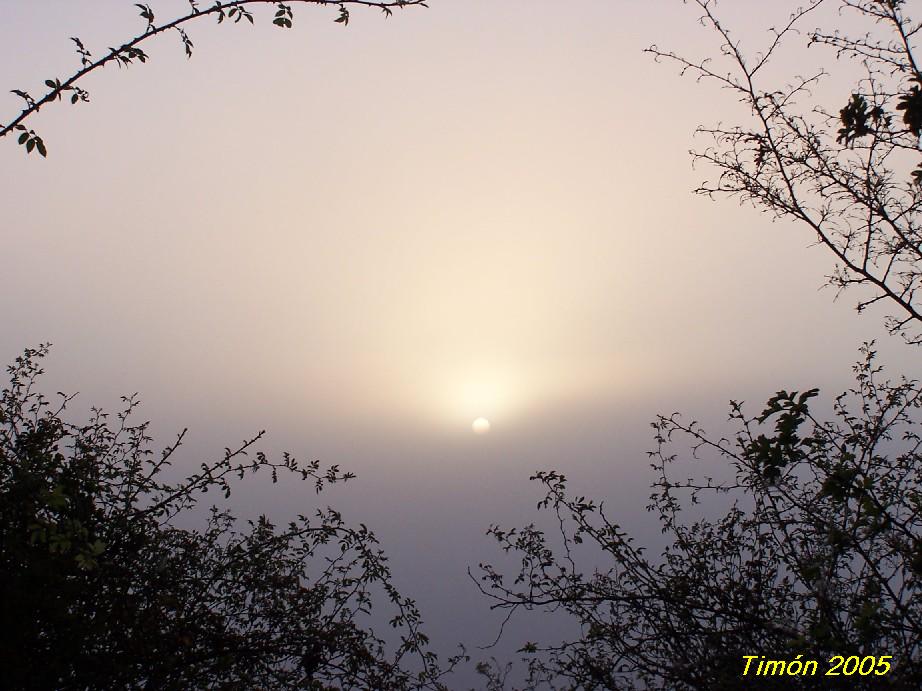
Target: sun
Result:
[481, 425]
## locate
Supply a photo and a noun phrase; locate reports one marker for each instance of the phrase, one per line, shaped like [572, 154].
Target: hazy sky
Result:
[362, 239]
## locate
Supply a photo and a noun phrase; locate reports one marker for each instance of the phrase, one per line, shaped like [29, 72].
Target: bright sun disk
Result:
[481, 425]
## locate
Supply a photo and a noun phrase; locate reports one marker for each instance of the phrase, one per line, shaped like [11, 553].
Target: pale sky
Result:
[362, 239]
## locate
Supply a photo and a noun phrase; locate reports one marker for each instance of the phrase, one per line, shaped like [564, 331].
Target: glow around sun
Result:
[480, 426]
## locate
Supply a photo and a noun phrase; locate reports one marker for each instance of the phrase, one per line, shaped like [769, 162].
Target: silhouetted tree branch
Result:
[101, 588]
[129, 52]
[810, 543]
[818, 553]
[847, 174]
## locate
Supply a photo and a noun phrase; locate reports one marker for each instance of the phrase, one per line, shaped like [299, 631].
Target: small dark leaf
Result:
[911, 103]
[22, 94]
[854, 117]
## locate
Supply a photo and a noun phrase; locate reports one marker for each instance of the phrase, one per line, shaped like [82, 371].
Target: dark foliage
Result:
[811, 542]
[101, 589]
[819, 554]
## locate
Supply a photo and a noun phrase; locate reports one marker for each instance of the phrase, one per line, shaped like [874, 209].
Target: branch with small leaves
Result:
[850, 175]
[816, 548]
[96, 546]
[129, 52]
